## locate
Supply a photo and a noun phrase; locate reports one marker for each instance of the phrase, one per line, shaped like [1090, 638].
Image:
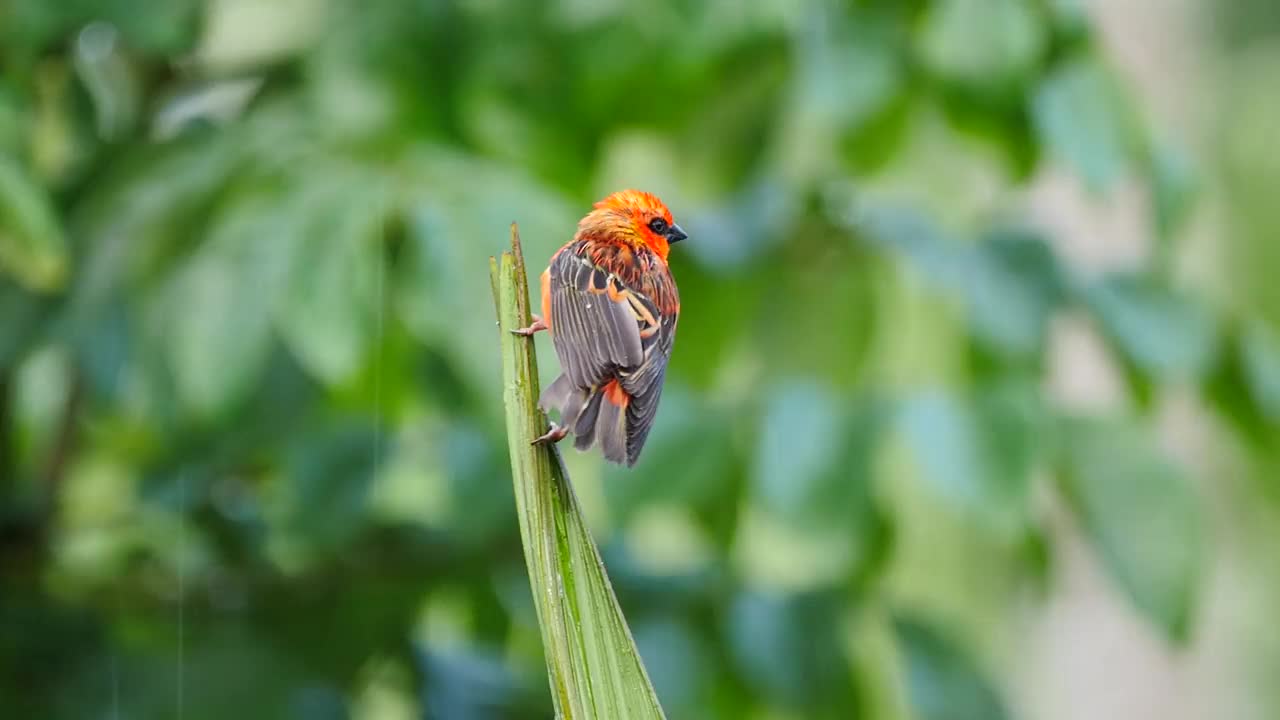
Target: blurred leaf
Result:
[1010, 281]
[688, 457]
[1162, 332]
[109, 78]
[1173, 188]
[1082, 118]
[32, 247]
[1240, 387]
[877, 664]
[23, 313]
[448, 227]
[709, 337]
[983, 44]
[1070, 18]
[330, 473]
[727, 140]
[13, 123]
[944, 683]
[1260, 357]
[996, 122]
[798, 443]
[67, 638]
[814, 455]
[812, 519]
[330, 312]
[593, 665]
[880, 138]
[472, 466]
[740, 229]
[977, 451]
[136, 224]
[840, 279]
[158, 26]
[848, 73]
[789, 649]
[222, 300]
[1142, 516]
[682, 665]
[915, 235]
[473, 686]
[1011, 288]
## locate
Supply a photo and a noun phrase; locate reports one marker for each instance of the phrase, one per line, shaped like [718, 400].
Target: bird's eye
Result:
[658, 225]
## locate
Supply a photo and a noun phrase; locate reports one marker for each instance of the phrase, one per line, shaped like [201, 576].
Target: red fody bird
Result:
[610, 305]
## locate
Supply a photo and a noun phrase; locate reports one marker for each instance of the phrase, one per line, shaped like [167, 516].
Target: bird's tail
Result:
[598, 415]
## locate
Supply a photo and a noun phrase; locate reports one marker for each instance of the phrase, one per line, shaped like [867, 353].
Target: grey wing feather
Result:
[645, 388]
[594, 336]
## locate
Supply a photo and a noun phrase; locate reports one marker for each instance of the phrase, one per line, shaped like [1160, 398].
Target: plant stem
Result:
[592, 663]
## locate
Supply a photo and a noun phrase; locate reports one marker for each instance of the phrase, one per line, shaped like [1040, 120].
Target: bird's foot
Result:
[538, 324]
[554, 435]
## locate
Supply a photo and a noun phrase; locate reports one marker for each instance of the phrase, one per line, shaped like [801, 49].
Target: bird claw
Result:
[554, 435]
[538, 324]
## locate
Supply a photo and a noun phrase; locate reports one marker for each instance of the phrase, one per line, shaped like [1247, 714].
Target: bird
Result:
[610, 305]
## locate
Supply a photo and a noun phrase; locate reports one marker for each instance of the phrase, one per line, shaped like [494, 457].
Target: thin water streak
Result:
[182, 594]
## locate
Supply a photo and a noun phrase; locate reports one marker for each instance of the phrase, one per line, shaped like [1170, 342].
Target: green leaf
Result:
[814, 455]
[977, 452]
[798, 445]
[786, 647]
[465, 683]
[329, 476]
[329, 314]
[983, 43]
[158, 26]
[444, 218]
[1011, 286]
[1141, 514]
[847, 74]
[136, 224]
[1070, 18]
[943, 682]
[837, 340]
[155, 26]
[688, 458]
[811, 519]
[1159, 331]
[471, 463]
[1245, 383]
[221, 303]
[593, 666]
[14, 123]
[1260, 358]
[24, 314]
[32, 246]
[1010, 281]
[1080, 115]
[682, 662]
[110, 79]
[1173, 187]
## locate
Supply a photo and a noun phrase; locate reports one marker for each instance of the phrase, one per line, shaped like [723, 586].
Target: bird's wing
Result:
[606, 330]
[593, 321]
[644, 384]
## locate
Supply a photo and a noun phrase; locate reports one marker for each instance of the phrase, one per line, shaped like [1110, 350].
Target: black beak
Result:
[675, 234]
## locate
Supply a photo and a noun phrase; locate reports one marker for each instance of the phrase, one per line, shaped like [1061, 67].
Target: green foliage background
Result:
[251, 451]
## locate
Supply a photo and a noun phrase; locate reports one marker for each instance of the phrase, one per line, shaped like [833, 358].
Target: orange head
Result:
[633, 217]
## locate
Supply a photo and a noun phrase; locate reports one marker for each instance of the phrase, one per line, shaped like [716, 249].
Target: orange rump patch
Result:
[614, 393]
